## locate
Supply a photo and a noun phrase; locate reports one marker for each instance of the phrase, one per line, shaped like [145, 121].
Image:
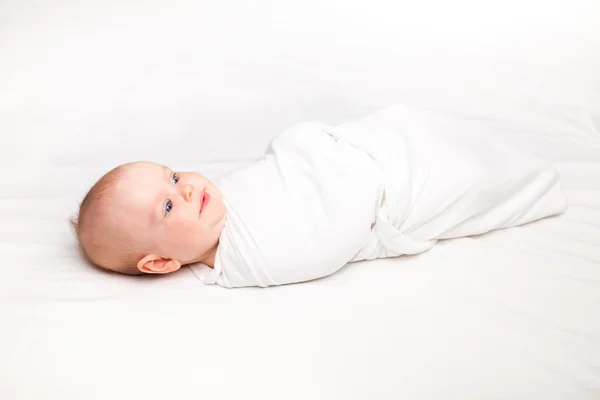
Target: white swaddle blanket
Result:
[389, 184]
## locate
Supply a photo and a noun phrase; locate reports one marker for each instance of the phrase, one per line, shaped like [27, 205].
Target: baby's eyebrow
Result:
[167, 172]
[154, 217]
[155, 213]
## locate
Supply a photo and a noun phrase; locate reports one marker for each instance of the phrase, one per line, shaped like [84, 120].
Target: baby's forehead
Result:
[140, 185]
[142, 167]
[144, 173]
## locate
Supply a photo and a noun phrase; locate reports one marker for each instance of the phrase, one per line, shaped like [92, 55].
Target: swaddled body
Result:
[300, 212]
[392, 183]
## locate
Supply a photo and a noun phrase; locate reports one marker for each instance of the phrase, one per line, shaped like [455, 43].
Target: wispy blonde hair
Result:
[100, 241]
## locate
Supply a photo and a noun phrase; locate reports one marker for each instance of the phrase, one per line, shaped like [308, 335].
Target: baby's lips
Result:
[201, 199]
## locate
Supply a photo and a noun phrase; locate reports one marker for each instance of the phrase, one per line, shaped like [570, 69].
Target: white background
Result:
[87, 85]
[115, 81]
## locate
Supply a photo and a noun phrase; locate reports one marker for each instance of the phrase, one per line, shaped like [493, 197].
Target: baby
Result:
[392, 183]
[145, 218]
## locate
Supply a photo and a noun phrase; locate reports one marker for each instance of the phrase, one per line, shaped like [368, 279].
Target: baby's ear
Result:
[153, 264]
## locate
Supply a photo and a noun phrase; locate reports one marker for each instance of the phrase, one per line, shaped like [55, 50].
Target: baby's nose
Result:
[188, 190]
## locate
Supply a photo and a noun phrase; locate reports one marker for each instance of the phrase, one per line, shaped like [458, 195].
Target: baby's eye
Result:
[175, 178]
[168, 207]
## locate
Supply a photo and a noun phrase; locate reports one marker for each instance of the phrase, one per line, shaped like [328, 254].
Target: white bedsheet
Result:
[505, 315]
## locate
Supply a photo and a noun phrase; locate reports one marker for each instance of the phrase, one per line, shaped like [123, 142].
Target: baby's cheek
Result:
[191, 243]
[189, 227]
[188, 232]
[177, 243]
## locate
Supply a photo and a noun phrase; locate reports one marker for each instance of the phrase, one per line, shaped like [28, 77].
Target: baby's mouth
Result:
[204, 199]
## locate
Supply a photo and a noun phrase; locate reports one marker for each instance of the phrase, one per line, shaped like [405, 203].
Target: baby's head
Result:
[144, 218]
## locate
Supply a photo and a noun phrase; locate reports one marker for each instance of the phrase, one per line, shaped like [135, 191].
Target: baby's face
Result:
[178, 215]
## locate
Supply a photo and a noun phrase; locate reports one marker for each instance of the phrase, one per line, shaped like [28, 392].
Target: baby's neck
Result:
[207, 258]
